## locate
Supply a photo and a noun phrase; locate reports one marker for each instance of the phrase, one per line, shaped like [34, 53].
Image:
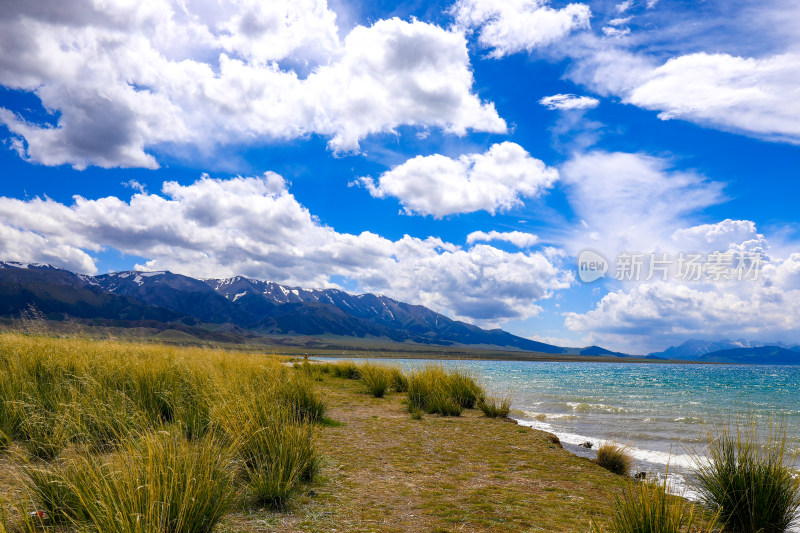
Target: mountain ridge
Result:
[694, 349]
[260, 307]
[771, 355]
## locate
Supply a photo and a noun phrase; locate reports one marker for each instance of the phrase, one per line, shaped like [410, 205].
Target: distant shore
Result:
[507, 356]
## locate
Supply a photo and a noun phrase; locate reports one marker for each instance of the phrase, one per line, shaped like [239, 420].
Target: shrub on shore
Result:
[494, 408]
[749, 482]
[614, 458]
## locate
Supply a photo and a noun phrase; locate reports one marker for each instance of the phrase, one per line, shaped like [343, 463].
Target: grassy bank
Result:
[232, 442]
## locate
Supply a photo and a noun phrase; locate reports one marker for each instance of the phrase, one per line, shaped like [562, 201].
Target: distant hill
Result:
[597, 350]
[764, 355]
[694, 349]
[258, 307]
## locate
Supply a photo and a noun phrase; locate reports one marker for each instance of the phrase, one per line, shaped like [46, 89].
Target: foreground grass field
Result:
[106, 436]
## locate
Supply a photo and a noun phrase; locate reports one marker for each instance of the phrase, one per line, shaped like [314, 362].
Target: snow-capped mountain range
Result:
[260, 307]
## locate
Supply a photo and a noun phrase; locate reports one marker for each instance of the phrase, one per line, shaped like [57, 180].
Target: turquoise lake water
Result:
[661, 411]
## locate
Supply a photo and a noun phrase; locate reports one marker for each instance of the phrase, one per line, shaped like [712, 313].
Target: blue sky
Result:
[454, 154]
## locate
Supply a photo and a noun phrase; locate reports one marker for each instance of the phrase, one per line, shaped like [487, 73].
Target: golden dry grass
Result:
[381, 470]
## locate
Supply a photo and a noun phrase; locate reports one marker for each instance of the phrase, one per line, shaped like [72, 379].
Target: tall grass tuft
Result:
[749, 482]
[296, 392]
[399, 381]
[464, 389]
[101, 418]
[647, 507]
[277, 458]
[9, 412]
[435, 390]
[54, 494]
[45, 434]
[345, 369]
[614, 458]
[144, 438]
[277, 449]
[376, 378]
[494, 408]
[274, 443]
[158, 482]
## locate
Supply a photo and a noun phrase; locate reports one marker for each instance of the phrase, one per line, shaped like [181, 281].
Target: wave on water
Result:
[582, 407]
[664, 462]
[689, 420]
[684, 461]
[545, 416]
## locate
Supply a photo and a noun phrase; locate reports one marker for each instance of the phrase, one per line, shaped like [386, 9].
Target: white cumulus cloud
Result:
[496, 180]
[520, 239]
[765, 310]
[636, 203]
[569, 101]
[512, 26]
[762, 306]
[756, 95]
[121, 80]
[722, 236]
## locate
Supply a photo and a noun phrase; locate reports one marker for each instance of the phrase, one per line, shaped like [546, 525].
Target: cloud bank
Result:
[120, 80]
[255, 227]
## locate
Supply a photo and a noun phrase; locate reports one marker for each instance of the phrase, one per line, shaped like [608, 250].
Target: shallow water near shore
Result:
[662, 412]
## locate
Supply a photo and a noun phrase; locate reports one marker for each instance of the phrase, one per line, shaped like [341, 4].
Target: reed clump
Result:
[344, 369]
[399, 381]
[648, 507]
[152, 438]
[432, 389]
[494, 407]
[614, 458]
[748, 481]
[158, 481]
[377, 378]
